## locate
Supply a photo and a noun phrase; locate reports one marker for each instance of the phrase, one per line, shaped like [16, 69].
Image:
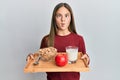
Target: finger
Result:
[83, 57]
[28, 59]
[86, 58]
[32, 56]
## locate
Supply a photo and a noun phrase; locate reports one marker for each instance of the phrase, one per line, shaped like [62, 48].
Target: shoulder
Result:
[44, 41]
[45, 37]
[77, 35]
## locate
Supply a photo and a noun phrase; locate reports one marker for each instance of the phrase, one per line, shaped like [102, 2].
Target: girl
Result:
[62, 34]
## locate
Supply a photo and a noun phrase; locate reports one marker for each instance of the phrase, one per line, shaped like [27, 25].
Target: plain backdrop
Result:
[23, 23]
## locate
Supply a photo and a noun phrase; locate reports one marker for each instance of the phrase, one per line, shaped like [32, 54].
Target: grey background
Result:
[23, 23]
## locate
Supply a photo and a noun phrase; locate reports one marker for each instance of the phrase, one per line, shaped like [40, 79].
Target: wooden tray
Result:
[50, 66]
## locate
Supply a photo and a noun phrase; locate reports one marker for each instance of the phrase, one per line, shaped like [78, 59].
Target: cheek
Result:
[69, 20]
[57, 22]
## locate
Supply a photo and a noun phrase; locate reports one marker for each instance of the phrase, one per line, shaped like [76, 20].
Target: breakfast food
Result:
[61, 59]
[47, 53]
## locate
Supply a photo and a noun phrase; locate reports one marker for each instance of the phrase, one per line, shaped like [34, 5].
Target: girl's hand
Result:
[86, 57]
[29, 57]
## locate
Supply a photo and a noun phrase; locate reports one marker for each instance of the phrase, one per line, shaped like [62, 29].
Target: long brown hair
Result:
[53, 30]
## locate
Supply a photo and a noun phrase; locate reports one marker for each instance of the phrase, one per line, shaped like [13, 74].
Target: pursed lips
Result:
[62, 24]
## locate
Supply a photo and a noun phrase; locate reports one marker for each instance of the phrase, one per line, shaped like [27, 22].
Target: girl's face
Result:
[63, 18]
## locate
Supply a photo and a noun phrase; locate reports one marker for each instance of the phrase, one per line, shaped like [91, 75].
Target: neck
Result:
[63, 33]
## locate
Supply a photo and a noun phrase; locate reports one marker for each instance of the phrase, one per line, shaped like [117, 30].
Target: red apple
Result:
[61, 59]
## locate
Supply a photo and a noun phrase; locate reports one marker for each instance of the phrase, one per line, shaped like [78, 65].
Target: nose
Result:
[63, 18]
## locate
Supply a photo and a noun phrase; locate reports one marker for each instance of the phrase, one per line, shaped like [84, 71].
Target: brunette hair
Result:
[53, 30]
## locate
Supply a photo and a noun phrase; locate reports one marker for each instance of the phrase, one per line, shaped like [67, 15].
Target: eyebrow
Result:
[65, 14]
